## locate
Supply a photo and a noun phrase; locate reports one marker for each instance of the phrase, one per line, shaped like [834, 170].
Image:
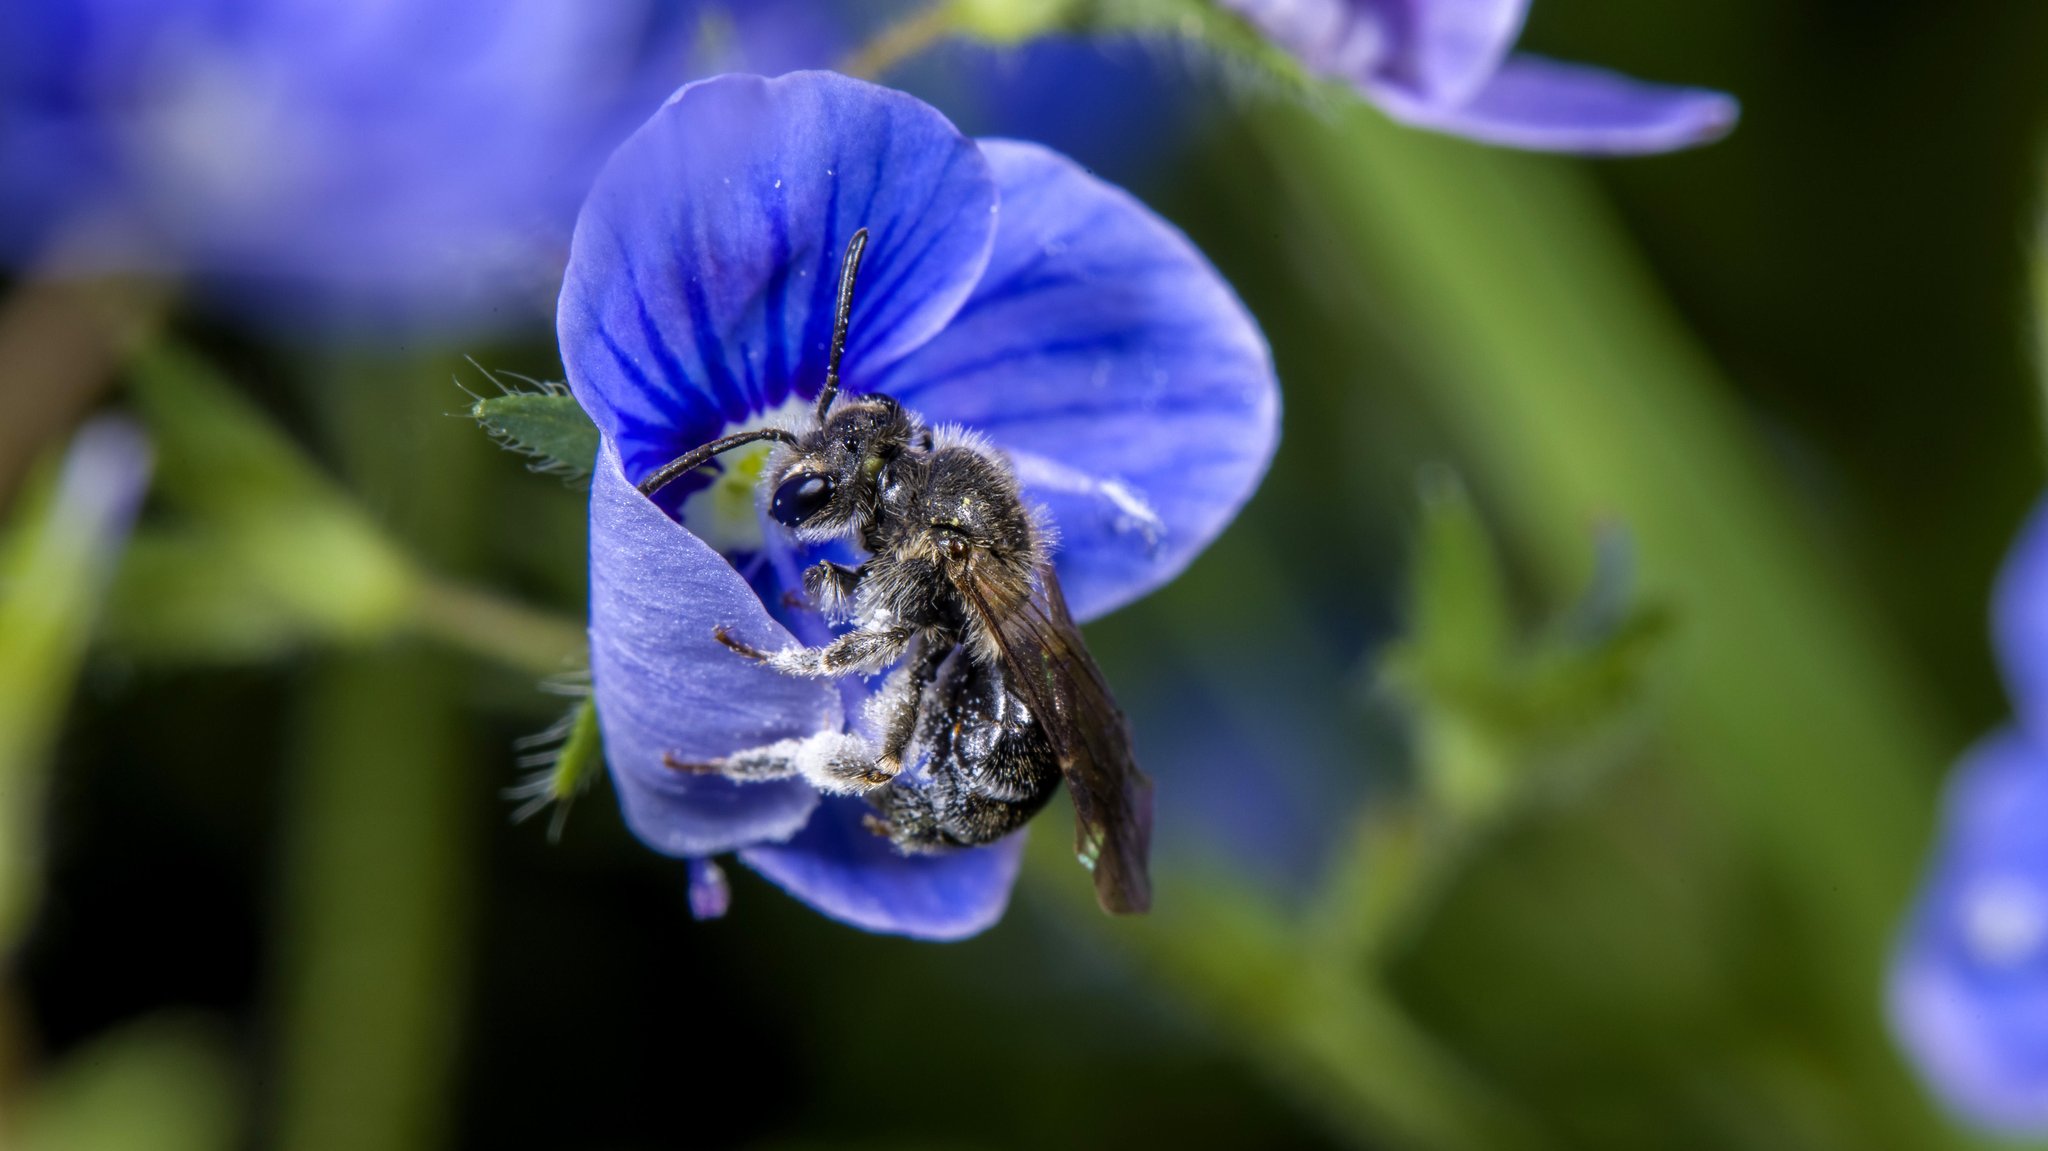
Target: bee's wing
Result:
[1046, 662]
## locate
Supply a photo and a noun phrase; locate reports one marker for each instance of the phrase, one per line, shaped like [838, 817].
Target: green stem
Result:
[381, 862]
[1333, 1039]
[377, 881]
[908, 37]
[484, 624]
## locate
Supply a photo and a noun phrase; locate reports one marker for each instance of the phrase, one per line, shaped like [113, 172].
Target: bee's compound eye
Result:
[799, 498]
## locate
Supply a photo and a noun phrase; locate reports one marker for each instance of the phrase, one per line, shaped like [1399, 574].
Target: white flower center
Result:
[727, 514]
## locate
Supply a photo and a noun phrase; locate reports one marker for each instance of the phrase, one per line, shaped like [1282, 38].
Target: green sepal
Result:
[1498, 715]
[548, 426]
[572, 758]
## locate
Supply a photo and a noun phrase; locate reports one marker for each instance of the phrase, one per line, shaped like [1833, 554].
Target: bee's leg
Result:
[738, 646]
[894, 711]
[831, 585]
[867, 649]
[837, 763]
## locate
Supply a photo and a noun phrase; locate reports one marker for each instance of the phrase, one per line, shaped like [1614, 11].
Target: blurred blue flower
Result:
[1445, 65]
[1004, 289]
[1969, 980]
[1121, 106]
[418, 162]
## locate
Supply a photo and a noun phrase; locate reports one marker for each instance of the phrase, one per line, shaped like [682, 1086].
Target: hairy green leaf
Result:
[548, 426]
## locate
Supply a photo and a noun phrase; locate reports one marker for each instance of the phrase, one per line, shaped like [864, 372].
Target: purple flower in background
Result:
[1004, 289]
[1445, 65]
[1969, 981]
[377, 160]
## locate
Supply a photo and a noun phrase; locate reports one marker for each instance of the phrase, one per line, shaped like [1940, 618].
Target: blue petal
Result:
[1550, 106]
[1111, 361]
[666, 687]
[1342, 39]
[1451, 48]
[1968, 991]
[2020, 621]
[710, 894]
[855, 876]
[700, 281]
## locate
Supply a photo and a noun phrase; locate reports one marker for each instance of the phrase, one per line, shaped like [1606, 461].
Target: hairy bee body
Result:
[993, 699]
[943, 509]
[942, 512]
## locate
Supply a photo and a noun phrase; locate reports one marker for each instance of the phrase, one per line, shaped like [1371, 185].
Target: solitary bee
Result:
[996, 693]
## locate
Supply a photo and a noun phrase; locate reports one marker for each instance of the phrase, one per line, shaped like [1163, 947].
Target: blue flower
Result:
[1445, 65]
[417, 162]
[1004, 289]
[1969, 980]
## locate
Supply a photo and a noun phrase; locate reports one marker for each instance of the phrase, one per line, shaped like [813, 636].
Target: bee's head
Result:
[827, 484]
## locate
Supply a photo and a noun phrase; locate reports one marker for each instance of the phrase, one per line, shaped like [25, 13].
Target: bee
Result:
[994, 691]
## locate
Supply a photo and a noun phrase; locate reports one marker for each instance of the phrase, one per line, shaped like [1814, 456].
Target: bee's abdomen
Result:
[989, 765]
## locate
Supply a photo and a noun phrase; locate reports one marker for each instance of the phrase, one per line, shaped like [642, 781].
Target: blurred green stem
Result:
[1546, 346]
[491, 627]
[377, 886]
[1401, 862]
[383, 852]
[1327, 1034]
[908, 37]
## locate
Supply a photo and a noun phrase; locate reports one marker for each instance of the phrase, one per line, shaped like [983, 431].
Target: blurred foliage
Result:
[166, 1083]
[262, 552]
[56, 558]
[1486, 703]
[1218, 40]
[1792, 372]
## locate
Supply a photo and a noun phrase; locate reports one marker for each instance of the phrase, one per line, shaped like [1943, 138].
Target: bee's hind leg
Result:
[836, 763]
[895, 710]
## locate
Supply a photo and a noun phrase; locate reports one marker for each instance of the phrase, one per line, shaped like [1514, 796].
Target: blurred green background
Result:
[1458, 868]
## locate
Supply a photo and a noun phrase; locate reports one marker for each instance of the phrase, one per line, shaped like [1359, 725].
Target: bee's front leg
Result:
[738, 646]
[830, 586]
[864, 650]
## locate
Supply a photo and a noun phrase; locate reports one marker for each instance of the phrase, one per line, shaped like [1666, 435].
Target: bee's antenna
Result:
[841, 314]
[696, 458]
